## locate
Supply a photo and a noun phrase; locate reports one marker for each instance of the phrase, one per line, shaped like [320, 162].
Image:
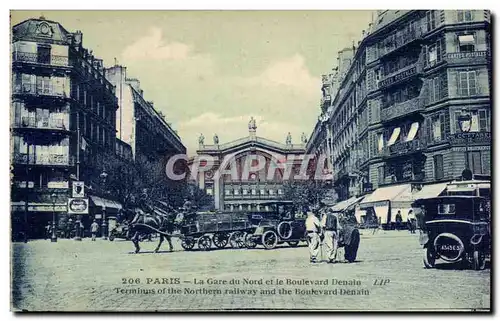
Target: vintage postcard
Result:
[250, 160]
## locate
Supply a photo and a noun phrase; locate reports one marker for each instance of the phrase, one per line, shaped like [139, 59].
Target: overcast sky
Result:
[208, 72]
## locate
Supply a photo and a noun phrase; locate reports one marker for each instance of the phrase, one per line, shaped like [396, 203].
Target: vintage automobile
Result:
[455, 229]
[271, 232]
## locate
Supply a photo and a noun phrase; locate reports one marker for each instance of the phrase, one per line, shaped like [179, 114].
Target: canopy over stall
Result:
[429, 191]
[398, 196]
[347, 204]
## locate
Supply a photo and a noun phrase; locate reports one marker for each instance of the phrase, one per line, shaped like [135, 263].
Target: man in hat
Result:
[330, 225]
[313, 230]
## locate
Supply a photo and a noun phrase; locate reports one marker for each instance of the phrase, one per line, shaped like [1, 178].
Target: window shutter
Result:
[442, 124]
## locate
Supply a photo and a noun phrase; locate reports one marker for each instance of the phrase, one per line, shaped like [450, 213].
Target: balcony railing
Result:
[33, 89]
[401, 74]
[47, 123]
[31, 57]
[402, 109]
[473, 57]
[403, 39]
[403, 148]
[45, 159]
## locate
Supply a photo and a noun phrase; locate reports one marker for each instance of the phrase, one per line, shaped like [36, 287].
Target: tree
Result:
[306, 192]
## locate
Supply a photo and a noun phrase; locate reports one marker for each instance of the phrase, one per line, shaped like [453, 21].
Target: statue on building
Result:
[252, 123]
[304, 138]
[252, 127]
[289, 139]
[201, 140]
[216, 139]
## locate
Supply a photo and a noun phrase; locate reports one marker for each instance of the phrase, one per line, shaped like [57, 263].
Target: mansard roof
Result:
[41, 30]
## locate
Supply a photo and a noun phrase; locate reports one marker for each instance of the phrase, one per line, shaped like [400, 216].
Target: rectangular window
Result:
[467, 83]
[381, 174]
[438, 167]
[475, 162]
[431, 20]
[465, 15]
[484, 120]
[43, 55]
[467, 43]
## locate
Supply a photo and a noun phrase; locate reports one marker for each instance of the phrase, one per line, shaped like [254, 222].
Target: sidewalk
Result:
[368, 233]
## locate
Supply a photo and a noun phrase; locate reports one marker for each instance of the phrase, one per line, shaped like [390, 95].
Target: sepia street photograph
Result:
[219, 160]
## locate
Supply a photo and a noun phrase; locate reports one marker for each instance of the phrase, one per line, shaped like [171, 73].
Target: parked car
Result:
[456, 229]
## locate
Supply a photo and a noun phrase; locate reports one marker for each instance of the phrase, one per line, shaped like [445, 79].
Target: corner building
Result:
[389, 121]
[62, 123]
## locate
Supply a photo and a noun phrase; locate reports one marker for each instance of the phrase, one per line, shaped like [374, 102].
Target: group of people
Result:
[72, 229]
[411, 221]
[324, 230]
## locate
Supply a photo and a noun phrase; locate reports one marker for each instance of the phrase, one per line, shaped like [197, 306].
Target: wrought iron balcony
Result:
[34, 89]
[45, 159]
[403, 39]
[402, 109]
[34, 123]
[401, 75]
[36, 58]
[403, 148]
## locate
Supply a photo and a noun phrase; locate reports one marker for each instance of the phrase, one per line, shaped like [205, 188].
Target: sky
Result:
[210, 71]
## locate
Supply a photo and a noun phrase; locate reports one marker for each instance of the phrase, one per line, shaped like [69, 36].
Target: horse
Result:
[148, 223]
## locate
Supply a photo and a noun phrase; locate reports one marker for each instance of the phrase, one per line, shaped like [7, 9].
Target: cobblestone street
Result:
[88, 276]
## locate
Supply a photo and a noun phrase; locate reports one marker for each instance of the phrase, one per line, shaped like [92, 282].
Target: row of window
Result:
[95, 132]
[93, 102]
[245, 191]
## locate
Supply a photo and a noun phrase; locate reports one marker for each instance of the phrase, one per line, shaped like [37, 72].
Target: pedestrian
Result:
[69, 228]
[93, 229]
[48, 230]
[330, 225]
[399, 220]
[313, 229]
[411, 222]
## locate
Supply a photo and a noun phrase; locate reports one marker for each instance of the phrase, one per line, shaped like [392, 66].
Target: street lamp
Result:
[103, 177]
[53, 197]
[465, 124]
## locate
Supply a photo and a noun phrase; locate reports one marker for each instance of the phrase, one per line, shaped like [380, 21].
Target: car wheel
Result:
[111, 237]
[249, 242]
[479, 260]
[429, 258]
[269, 239]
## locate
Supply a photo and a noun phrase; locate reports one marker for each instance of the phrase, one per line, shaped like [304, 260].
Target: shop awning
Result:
[102, 202]
[431, 190]
[381, 196]
[346, 204]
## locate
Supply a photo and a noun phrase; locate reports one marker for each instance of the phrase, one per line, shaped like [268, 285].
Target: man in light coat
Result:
[313, 230]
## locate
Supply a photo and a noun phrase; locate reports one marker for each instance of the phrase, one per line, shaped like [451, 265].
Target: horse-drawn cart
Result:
[217, 228]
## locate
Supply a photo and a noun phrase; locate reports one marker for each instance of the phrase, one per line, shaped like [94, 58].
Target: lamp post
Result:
[103, 177]
[465, 124]
[53, 197]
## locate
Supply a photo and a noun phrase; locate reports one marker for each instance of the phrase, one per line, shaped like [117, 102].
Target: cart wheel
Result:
[293, 243]
[429, 258]
[204, 243]
[269, 239]
[220, 239]
[479, 262]
[351, 250]
[187, 244]
[237, 240]
[285, 230]
[249, 242]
